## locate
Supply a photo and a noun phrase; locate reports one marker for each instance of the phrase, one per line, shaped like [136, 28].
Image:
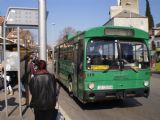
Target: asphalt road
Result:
[130, 109]
[72, 109]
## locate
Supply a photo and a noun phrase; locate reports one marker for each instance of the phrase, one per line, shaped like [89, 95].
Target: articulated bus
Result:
[106, 62]
[157, 64]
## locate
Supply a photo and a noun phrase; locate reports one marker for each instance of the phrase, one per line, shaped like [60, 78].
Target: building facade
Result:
[126, 13]
[128, 5]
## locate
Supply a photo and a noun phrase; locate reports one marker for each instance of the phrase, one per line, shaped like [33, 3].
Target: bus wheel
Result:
[70, 89]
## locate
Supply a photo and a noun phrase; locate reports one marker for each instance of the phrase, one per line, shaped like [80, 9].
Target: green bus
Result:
[106, 62]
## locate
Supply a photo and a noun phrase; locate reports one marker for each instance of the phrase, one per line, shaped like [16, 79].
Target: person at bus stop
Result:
[44, 94]
[31, 70]
[25, 95]
[8, 79]
[32, 65]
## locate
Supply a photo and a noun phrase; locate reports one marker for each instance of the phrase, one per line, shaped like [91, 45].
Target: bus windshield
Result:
[116, 54]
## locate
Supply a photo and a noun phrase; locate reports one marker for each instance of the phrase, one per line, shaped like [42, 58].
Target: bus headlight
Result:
[146, 83]
[91, 86]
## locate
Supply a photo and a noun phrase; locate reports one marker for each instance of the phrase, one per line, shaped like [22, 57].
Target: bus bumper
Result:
[102, 95]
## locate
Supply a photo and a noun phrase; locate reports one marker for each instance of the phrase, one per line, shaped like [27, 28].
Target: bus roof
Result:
[109, 31]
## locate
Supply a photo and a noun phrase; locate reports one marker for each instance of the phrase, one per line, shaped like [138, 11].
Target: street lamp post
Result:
[130, 14]
[53, 24]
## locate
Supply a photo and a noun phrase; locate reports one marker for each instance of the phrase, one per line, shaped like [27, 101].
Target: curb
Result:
[64, 114]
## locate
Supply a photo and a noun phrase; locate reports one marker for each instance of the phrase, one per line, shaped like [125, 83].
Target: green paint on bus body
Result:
[91, 82]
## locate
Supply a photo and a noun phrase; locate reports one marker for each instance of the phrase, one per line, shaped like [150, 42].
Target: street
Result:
[98, 49]
[129, 109]
[72, 109]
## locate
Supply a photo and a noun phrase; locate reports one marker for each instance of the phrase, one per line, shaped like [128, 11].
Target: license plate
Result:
[104, 87]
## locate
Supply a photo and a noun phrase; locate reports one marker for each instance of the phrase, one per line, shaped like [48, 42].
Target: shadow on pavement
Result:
[109, 104]
[11, 102]
[155, 72]
[25, 110]
[13, 110]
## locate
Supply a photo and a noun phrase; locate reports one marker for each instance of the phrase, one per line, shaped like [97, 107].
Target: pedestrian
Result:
[8, 79]
[32, 67]
[30, 71]
[43, 90]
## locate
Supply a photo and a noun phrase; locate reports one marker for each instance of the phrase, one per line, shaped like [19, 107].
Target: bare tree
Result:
[66, 31]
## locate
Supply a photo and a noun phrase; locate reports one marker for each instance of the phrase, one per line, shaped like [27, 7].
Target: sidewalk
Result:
[13, 105]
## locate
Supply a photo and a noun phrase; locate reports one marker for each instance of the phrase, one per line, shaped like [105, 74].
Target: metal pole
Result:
[47, 55]
[4, 66]
[130, 17]
[42, 29]
[130, 14]
[53, 24]
[19, 81]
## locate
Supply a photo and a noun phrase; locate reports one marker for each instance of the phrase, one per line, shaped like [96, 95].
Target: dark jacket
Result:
[43, 91]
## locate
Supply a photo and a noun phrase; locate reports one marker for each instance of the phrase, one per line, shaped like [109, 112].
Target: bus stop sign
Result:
[22, 17]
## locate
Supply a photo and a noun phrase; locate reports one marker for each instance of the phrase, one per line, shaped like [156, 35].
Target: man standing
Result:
[43, 90]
